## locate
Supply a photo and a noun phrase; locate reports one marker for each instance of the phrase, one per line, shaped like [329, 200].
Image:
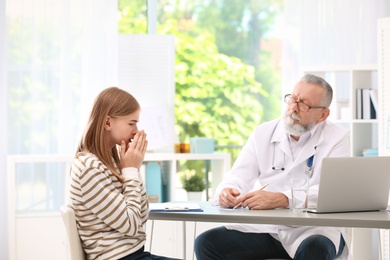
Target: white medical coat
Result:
[267, 147]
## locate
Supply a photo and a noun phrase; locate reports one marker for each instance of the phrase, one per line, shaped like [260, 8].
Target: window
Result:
[227, 71]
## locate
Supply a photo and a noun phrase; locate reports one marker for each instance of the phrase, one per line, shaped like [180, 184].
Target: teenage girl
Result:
[106, 190]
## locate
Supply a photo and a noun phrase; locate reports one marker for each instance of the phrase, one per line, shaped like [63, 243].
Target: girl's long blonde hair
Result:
[113, 102]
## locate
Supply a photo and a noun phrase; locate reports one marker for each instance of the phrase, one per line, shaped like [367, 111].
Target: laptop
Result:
[350, 184]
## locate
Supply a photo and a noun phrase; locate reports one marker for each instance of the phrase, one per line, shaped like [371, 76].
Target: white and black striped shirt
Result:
[111, 216]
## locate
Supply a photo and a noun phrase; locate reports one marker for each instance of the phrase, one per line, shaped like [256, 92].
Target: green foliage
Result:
[132, 16]
[215, 94]
[239, 26]
[193, 181]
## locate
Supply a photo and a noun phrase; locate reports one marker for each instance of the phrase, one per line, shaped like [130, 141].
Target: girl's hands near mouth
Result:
[133, 154]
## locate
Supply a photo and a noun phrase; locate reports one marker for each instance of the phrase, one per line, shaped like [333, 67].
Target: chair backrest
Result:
[75, 244]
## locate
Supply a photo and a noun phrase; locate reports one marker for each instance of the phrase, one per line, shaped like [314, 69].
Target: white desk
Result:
[377, 219]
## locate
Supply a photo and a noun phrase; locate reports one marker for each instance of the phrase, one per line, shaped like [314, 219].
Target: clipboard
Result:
[175, 207]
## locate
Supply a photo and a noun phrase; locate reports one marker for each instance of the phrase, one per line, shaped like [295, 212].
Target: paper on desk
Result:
[232, 209]
[174, 206]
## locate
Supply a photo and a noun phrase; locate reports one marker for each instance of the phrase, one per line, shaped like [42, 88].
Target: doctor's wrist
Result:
[281, 200]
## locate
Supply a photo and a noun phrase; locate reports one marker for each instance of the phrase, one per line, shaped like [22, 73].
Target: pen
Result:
[239, 204]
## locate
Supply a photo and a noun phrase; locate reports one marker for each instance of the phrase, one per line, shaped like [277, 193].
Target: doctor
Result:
[275, 152]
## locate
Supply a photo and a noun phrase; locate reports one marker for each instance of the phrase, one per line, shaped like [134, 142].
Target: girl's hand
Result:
[133, 155]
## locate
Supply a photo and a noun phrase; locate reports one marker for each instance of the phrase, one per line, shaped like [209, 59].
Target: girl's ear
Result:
[107, 123]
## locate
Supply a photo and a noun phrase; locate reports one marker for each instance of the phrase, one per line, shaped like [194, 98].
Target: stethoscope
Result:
[309, 163]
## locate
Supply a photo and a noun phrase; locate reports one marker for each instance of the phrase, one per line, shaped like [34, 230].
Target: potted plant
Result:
[194, 183]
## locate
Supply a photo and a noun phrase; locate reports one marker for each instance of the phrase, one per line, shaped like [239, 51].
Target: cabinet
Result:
[345, 81]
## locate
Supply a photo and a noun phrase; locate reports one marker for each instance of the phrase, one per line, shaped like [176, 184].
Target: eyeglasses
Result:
[290, 100]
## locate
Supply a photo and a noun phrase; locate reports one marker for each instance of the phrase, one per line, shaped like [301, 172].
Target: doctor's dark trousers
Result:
[221, 243]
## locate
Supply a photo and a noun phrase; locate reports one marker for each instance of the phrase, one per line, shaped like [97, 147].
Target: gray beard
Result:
[296, 129]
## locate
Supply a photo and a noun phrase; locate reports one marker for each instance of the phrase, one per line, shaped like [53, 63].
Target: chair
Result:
[75, 244]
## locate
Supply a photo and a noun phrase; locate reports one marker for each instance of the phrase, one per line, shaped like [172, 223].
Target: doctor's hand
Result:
[227, 197]
[261, 199]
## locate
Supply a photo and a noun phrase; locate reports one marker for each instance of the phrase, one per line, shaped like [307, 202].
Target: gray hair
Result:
[316, 80]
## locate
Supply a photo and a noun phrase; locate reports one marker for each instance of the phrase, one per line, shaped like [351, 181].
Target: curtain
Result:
[329, 33]
[58, 55]
[3, 138]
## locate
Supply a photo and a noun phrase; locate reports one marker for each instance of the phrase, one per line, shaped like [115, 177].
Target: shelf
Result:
[345, 80]
[220, 163]
[365, 121]
[342, 68]
[185, 156]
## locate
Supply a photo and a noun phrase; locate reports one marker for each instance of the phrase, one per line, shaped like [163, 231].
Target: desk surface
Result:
[377, 219]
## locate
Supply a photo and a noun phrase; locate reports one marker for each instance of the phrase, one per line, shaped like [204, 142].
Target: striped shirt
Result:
[111, 216]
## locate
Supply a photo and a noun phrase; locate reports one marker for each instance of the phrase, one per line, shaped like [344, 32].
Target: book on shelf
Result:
[374, 98]
[370, 152]
[365, 104]
[359, 103]
[372, 110]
